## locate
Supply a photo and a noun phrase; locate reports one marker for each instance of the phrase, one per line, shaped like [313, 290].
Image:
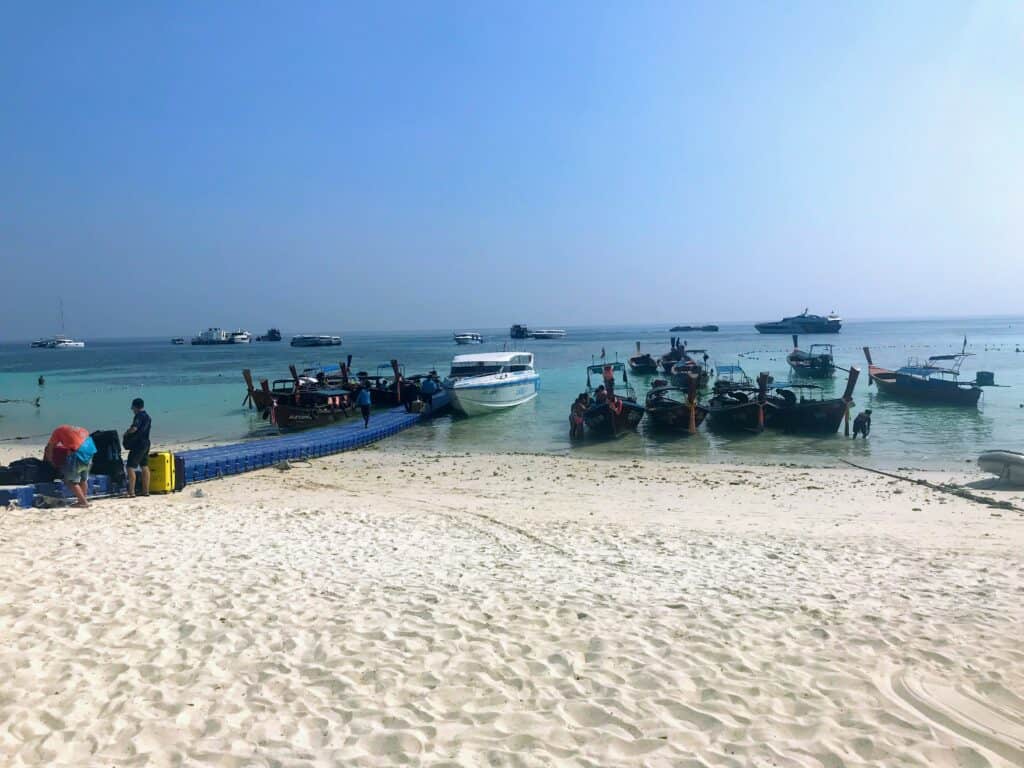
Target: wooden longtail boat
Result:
[619, 412]
[675, 409]
[739, 410]
[643, 363]
[928, 382]
[815, 363]
[806, 415]
[679, 373]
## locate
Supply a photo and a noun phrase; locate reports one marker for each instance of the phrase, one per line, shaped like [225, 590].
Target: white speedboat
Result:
[469, 338]
[491, 381]
[315, 340]
[548, 333]
[1008, 465]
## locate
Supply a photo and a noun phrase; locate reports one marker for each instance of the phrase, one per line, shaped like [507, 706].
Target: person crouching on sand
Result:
[363, 401]
[862, 424]
[70, 450]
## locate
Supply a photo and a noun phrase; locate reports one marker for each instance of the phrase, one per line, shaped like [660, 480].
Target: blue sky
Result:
[339, 167]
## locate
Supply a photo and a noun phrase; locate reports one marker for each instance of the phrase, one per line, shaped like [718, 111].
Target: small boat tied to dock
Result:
[488, 382]
[935, 380]
[318, 397]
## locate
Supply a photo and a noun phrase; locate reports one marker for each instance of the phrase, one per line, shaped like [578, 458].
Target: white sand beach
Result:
[382, 608]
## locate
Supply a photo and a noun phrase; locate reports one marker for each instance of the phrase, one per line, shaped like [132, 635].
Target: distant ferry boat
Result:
[803, 323]
[491, 381]
[315, 340]
[214, 336]
[523, 332]
[468, 338]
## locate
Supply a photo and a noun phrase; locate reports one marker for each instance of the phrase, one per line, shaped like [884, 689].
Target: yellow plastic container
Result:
[161, 472]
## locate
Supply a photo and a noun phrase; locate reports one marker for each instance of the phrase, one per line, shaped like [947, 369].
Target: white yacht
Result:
[491, 381]
[315, 340]
[60, 341]
[469, 338]
[548, 333]
[240, 337]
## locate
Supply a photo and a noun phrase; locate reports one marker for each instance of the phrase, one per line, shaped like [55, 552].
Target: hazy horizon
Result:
[334, 167]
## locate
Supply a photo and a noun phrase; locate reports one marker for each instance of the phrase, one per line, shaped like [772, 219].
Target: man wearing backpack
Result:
[136, 440]
[70, 451]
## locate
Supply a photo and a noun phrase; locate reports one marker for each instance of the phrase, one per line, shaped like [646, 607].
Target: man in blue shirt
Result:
[136, 440]
[363, 401]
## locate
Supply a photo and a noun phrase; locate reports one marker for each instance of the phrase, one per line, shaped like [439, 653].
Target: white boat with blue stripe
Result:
[490, 381]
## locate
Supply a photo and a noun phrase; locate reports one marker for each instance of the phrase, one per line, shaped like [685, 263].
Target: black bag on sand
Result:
[27, 471]
[107, 460]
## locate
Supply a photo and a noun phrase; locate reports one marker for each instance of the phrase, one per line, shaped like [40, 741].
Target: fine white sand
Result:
[381, 608]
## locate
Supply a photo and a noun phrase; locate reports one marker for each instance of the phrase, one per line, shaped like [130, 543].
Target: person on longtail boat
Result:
[70, 450]
[576, 416]
[601, 395]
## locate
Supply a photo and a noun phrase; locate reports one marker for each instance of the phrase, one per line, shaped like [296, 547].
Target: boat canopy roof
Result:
[957, 356]
[599, 367]
[494, 358]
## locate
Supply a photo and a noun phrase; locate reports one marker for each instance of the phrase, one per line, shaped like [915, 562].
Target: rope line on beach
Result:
[953, 490]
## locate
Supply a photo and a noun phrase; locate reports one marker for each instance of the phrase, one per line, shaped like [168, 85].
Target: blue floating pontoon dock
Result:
[222, 460]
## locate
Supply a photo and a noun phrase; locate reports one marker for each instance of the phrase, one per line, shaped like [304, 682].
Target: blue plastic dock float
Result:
[222, 460]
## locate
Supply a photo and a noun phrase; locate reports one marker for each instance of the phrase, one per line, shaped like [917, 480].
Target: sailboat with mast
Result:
[60, 341]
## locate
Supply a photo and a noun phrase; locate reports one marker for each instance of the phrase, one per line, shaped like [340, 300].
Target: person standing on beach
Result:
[363, 401]
[70, 450]
[136, 440]
[428, 388]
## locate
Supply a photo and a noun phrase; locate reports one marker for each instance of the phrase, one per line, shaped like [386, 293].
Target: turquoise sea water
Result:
[195, 393]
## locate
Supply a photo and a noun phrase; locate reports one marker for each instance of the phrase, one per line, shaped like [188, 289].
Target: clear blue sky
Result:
[440, 165]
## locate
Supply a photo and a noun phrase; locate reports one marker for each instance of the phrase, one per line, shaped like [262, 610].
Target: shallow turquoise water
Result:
[195, 393]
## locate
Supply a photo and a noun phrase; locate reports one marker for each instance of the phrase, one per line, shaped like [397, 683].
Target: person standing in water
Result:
[363, 401]
[136, 440]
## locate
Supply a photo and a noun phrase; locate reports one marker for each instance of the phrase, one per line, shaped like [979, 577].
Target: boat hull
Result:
[675, 417]
[923, 390]
[294, 417]
[644, 365]
[602, 421]
[817, 417]
[477, 398]
[1007, 465]
[738, 417]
